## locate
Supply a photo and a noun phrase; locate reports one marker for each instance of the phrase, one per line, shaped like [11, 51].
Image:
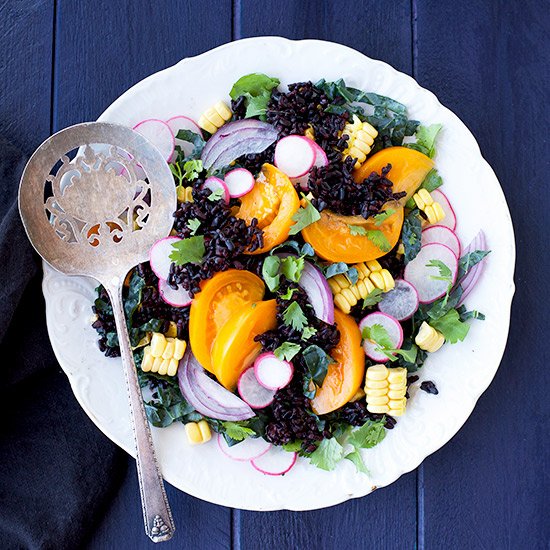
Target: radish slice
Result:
[180, 122]
[421, 276]
[249, 449]
[252, 392]
[176, 298]
[393, 328]
[442, 235]
[294, 155]
[276, 462]
[159, 134]
[159, 256]
[239, 182]
[450, 218]
[214, 184]
[272, 373]
[401, 302]
[321, 160]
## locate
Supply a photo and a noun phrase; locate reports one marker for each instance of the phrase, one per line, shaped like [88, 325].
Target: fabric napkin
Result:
[58, 472]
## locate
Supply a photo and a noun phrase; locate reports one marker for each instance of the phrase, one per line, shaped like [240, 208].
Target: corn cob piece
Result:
[370, 276]
[214, 118]
[361, 137]
[385, 390]
[428, 338]
[198, 432]
[163, 354]
[433, 210]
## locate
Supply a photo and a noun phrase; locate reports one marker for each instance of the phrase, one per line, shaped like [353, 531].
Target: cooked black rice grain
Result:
[356, 414]
[254, 162]
[429, 387]
[225, 239]
[238, 106]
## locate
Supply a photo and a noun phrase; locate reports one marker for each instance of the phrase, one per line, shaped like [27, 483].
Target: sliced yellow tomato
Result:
[332, 239]
[344, 377]
[220, 297]
[273, 201]
[234, 347]
[408, 169]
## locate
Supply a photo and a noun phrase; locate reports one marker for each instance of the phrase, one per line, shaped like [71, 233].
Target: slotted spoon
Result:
[93, 199]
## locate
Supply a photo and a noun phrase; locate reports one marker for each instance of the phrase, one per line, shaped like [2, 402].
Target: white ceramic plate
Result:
[462, 372]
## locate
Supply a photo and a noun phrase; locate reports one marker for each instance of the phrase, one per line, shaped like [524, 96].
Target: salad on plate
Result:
[312, 268]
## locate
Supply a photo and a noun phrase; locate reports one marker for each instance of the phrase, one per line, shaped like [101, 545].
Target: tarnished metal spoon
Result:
[94, 198]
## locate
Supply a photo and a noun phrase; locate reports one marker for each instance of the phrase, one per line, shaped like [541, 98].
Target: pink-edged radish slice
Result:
[239, 182]
[159, 256]
[252, 392]
[393, 328]
[250, 448]
[214, 184]
[450, 218]
[321, 160]
[272, 373]
[181, 122]
[276, 462]
[426, 278]
[294, 155]
[442, 235]
[401, 302]
[176, 298]
[159, 134]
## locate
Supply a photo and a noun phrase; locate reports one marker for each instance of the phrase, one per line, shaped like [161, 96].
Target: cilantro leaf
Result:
[293, 447]
[355, 457]
[317, 361]
[270, 272]
[193, 224]
[380, 218]
[294, 317]
[286, 351]
[379, 335]
[256, 88]
[357, 230]
[292, 267]
[308, 332]
[411, 235]
[304, 217]
[327, 455]
[237, 431]
[452, 328]
[445, 273]
[216, 194]
[368, 435]
[192, 169]
[409, 355]
[188, 251]
[378, 239]
[425, 139]
[372, 298]
[288, 294]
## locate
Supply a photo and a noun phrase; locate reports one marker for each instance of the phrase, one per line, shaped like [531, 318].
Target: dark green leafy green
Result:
[190, 137]
[270, 272]
[468, 261]
[411, 235]
[317, 361]
[335, 269]
[425, 139]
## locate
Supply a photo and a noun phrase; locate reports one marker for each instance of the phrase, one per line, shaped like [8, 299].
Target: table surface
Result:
[64, 61]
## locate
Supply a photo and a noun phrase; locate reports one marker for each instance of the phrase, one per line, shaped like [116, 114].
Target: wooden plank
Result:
[102, 49]
[387, 518]
[26, 65]
[489, 487]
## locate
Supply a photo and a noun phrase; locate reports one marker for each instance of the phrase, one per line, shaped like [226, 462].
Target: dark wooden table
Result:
[65, 61]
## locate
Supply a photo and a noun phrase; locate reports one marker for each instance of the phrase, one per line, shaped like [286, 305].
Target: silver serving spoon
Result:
[94, 198]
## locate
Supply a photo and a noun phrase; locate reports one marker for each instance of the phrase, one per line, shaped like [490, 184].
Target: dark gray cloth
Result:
[57, 471]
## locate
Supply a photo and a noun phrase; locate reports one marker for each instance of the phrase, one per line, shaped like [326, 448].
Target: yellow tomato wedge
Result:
[234, 347]
[220, 297]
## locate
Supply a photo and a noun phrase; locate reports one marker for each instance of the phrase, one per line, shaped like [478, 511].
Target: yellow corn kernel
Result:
[156, 364]
[168, 349]
[360, 139]
[205, 430]
[374, 265]
[172, 331]
[342, 303]
[369, 286]
[377, 372]
[385, 389]
[310, 133]
[434, 212]
[185, 194]
[428, 338]
[348, 295]
[362, 288]
[363, 270]
[422, 198]
[377, 279]
[400, 249]
[198, 432]
[355, 291]
[172, 367]
[215, 117]
[334, 286]
[147, 361]
[342, 281]
[179, 348]
[163, 367]
[158, 343]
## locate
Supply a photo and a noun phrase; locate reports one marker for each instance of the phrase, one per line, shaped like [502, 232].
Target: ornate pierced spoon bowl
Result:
[94, 198]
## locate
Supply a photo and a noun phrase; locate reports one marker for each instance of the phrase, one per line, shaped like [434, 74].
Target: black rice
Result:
[429, 387]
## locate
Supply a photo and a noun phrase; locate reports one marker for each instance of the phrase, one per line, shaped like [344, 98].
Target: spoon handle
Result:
[159, 524]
